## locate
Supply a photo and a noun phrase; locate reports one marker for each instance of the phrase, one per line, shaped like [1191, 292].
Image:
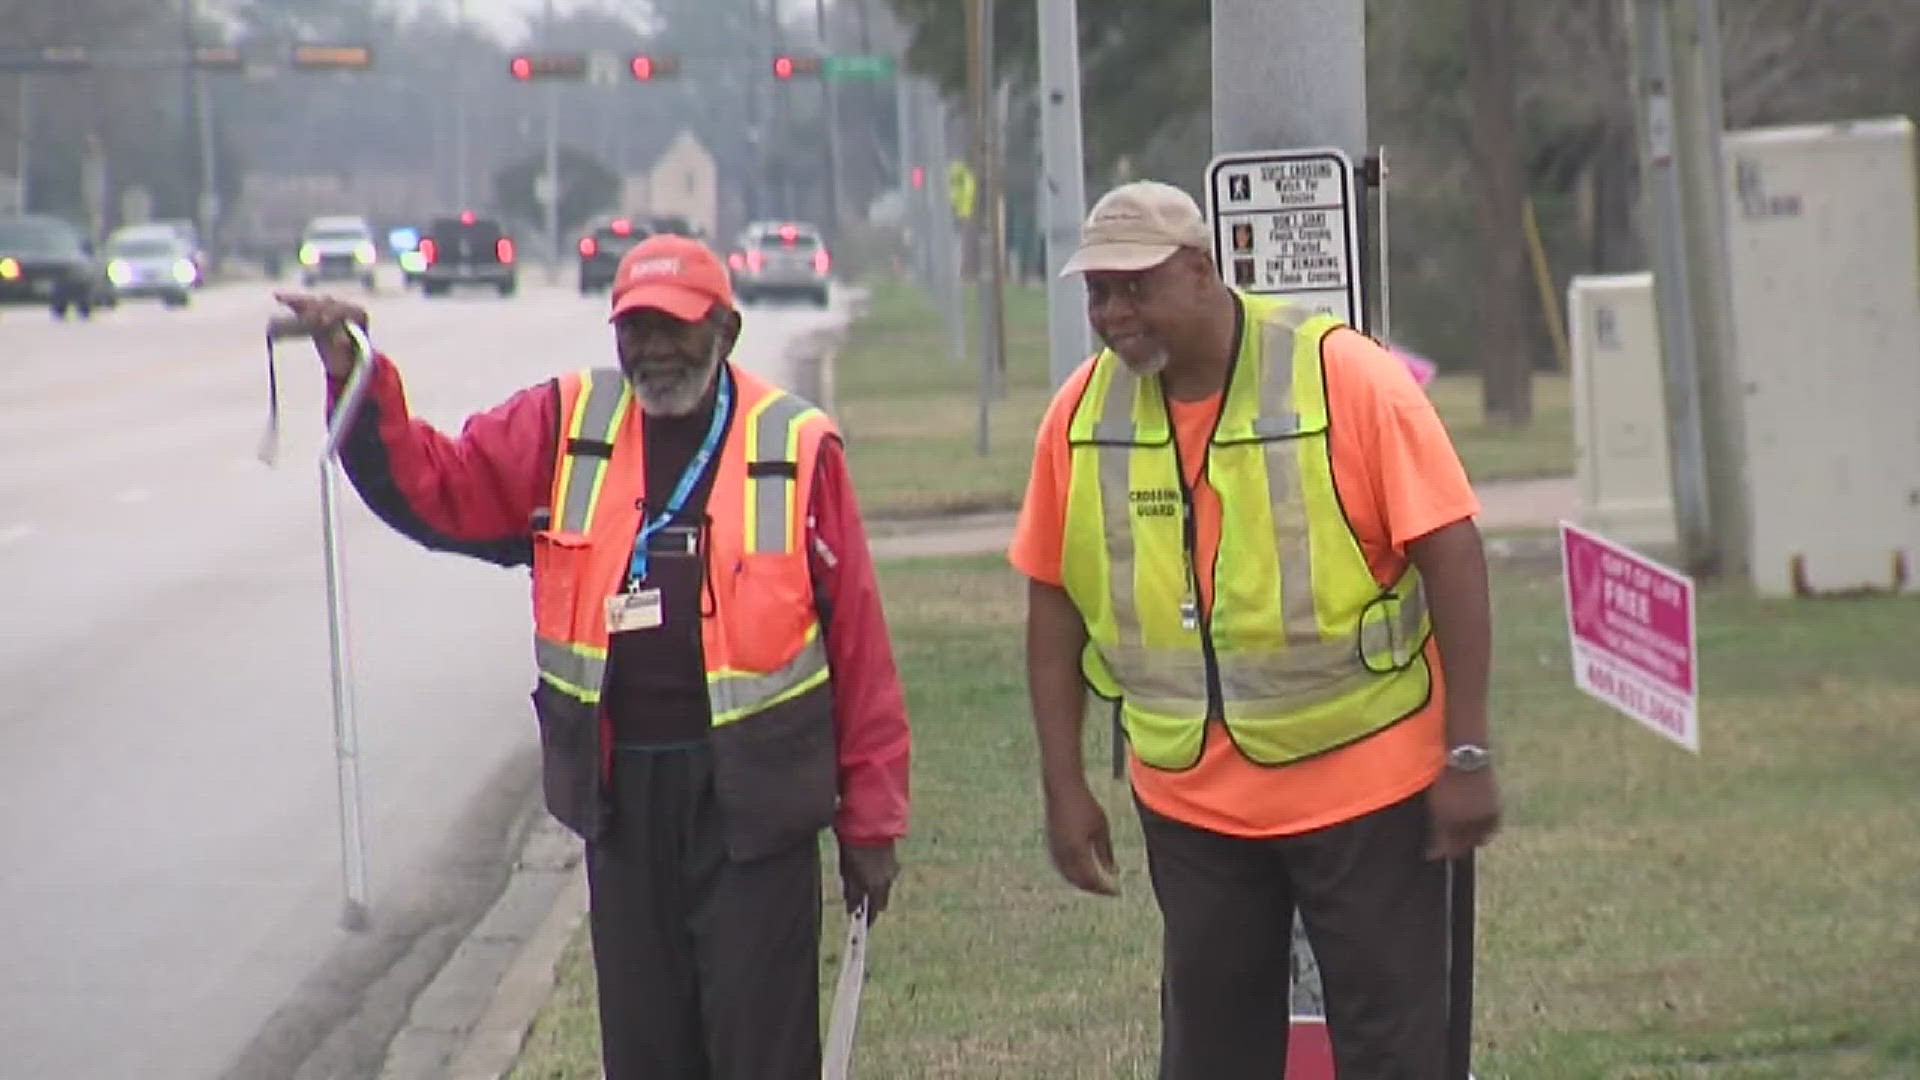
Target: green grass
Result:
[911, 412]
[1746, 914]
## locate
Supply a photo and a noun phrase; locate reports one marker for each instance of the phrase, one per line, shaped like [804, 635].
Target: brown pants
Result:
[1375, 910]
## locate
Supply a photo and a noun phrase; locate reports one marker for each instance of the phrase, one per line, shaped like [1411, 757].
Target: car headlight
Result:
[309, 255]
[364, 253]
[185, 272]
[119, 272]
[9, 269]
[412, 262]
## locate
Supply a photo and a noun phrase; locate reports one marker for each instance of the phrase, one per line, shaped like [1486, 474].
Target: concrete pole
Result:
[831, 98]
[1062, 185]
[1654, 69]
[931, 113]
[1700, 125]
[461, 192]
[1290, 76]
[23, 142]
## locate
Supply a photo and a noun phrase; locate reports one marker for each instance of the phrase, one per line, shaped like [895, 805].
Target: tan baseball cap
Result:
[1138, 226]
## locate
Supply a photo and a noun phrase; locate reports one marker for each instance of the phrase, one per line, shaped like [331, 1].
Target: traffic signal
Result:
[647, 67]
[332, 56]
[789, 65]
[526, 67]
[918, 177]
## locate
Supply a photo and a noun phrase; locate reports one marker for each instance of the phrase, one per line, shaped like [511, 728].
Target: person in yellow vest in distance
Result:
[716, 684]
[1247, 527]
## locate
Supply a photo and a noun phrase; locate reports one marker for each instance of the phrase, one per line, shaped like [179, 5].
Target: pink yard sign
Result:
[1631, 621]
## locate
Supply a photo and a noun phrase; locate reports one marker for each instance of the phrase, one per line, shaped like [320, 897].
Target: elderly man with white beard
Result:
[716, 683]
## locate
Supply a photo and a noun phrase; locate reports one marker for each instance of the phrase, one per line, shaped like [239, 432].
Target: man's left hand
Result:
[866, 873]
[1463, 809]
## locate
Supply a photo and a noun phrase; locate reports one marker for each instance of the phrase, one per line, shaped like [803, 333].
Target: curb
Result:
[472, 1019]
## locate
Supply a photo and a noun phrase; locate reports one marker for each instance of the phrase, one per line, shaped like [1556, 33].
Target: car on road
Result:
[782, 259]
[188, 232]
[338, 249]
[467, 250]
[152, 262]
[44, 260]
[601, 246]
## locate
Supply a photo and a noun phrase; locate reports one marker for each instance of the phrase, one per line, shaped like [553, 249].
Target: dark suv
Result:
[44, 261]
[601, 247]
[467, 250]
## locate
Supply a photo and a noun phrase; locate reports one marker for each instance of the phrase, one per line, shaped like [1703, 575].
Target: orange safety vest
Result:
[768, 683]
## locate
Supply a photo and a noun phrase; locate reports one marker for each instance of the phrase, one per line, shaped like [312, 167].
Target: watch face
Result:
[1467, 757]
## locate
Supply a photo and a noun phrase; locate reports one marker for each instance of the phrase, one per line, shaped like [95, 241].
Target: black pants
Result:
[1375, 911]
[708, 969]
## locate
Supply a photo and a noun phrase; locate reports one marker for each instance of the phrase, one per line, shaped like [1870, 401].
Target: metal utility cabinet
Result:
[1619, 409]
[1825, 281]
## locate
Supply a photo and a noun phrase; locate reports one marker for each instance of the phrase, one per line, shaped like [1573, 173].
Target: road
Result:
[168, 821]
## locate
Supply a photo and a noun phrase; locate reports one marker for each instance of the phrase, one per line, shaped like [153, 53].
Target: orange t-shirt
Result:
[1398, 479]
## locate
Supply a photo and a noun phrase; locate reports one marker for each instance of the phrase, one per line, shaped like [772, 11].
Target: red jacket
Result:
[475, 495]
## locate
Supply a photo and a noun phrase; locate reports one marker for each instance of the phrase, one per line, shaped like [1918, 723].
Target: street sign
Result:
[1631, 623]
[1287, 223]
[870, 66]
[45, 58]
[332, 56]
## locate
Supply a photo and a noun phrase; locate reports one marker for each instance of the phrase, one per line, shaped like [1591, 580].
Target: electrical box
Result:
[1619, 410]
[1825, 272]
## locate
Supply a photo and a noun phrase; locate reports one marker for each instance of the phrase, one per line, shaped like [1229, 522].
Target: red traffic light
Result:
[642, 67]
[522, 68]
[783, 67]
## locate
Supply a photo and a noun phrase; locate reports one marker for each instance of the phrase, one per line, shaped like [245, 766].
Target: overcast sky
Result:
[507, 19]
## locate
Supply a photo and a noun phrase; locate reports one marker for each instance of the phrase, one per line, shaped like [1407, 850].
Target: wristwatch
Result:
[1469, 758]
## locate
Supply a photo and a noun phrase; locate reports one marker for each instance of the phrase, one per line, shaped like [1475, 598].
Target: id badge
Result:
[637, 610]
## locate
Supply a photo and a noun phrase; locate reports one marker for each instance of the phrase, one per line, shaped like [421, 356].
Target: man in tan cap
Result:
[1247, 528]
[716, 681]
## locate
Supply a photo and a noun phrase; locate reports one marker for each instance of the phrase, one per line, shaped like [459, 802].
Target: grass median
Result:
[911, 412]
[1744, 914]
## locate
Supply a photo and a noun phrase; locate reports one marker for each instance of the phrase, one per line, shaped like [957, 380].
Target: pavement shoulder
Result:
[471, 1021]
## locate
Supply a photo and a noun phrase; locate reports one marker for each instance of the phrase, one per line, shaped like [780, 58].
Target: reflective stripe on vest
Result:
[1311, 653]
[769, 453]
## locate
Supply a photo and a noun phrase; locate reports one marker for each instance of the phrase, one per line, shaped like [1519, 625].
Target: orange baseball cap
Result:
[675, 274]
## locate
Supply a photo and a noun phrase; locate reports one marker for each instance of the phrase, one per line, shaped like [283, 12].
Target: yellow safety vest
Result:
[1302, 651]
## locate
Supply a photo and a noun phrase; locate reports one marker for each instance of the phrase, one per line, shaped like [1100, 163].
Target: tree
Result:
[587, 187]
[1505, 365]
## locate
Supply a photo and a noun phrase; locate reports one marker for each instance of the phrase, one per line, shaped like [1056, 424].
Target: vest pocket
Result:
[570, 767]
[768, 612]
[559, 560]
[776, 776]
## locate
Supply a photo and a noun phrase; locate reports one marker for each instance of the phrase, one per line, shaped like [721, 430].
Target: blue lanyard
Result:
[722, 407]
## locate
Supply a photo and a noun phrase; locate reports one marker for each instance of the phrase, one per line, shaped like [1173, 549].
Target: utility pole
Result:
[1288, 76]
[461, 196]
[199, 125]
[23, 143]
[988, 264]
[831, 98]
[1506, 364]
[1656, 76]
[550, 186]
[1062, 184]
[931, 113]
[1700, 126]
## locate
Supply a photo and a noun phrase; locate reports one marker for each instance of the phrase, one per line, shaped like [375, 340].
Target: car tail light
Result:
[788, 234]
[429, 251]
[622, 227]
[503, 247]
[588, 247]
[736, 260]
[466, 217]
[755, 260]
[821, 263]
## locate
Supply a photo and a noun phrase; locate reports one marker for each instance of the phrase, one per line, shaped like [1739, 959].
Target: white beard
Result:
[677, 394]
[1145, 367]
